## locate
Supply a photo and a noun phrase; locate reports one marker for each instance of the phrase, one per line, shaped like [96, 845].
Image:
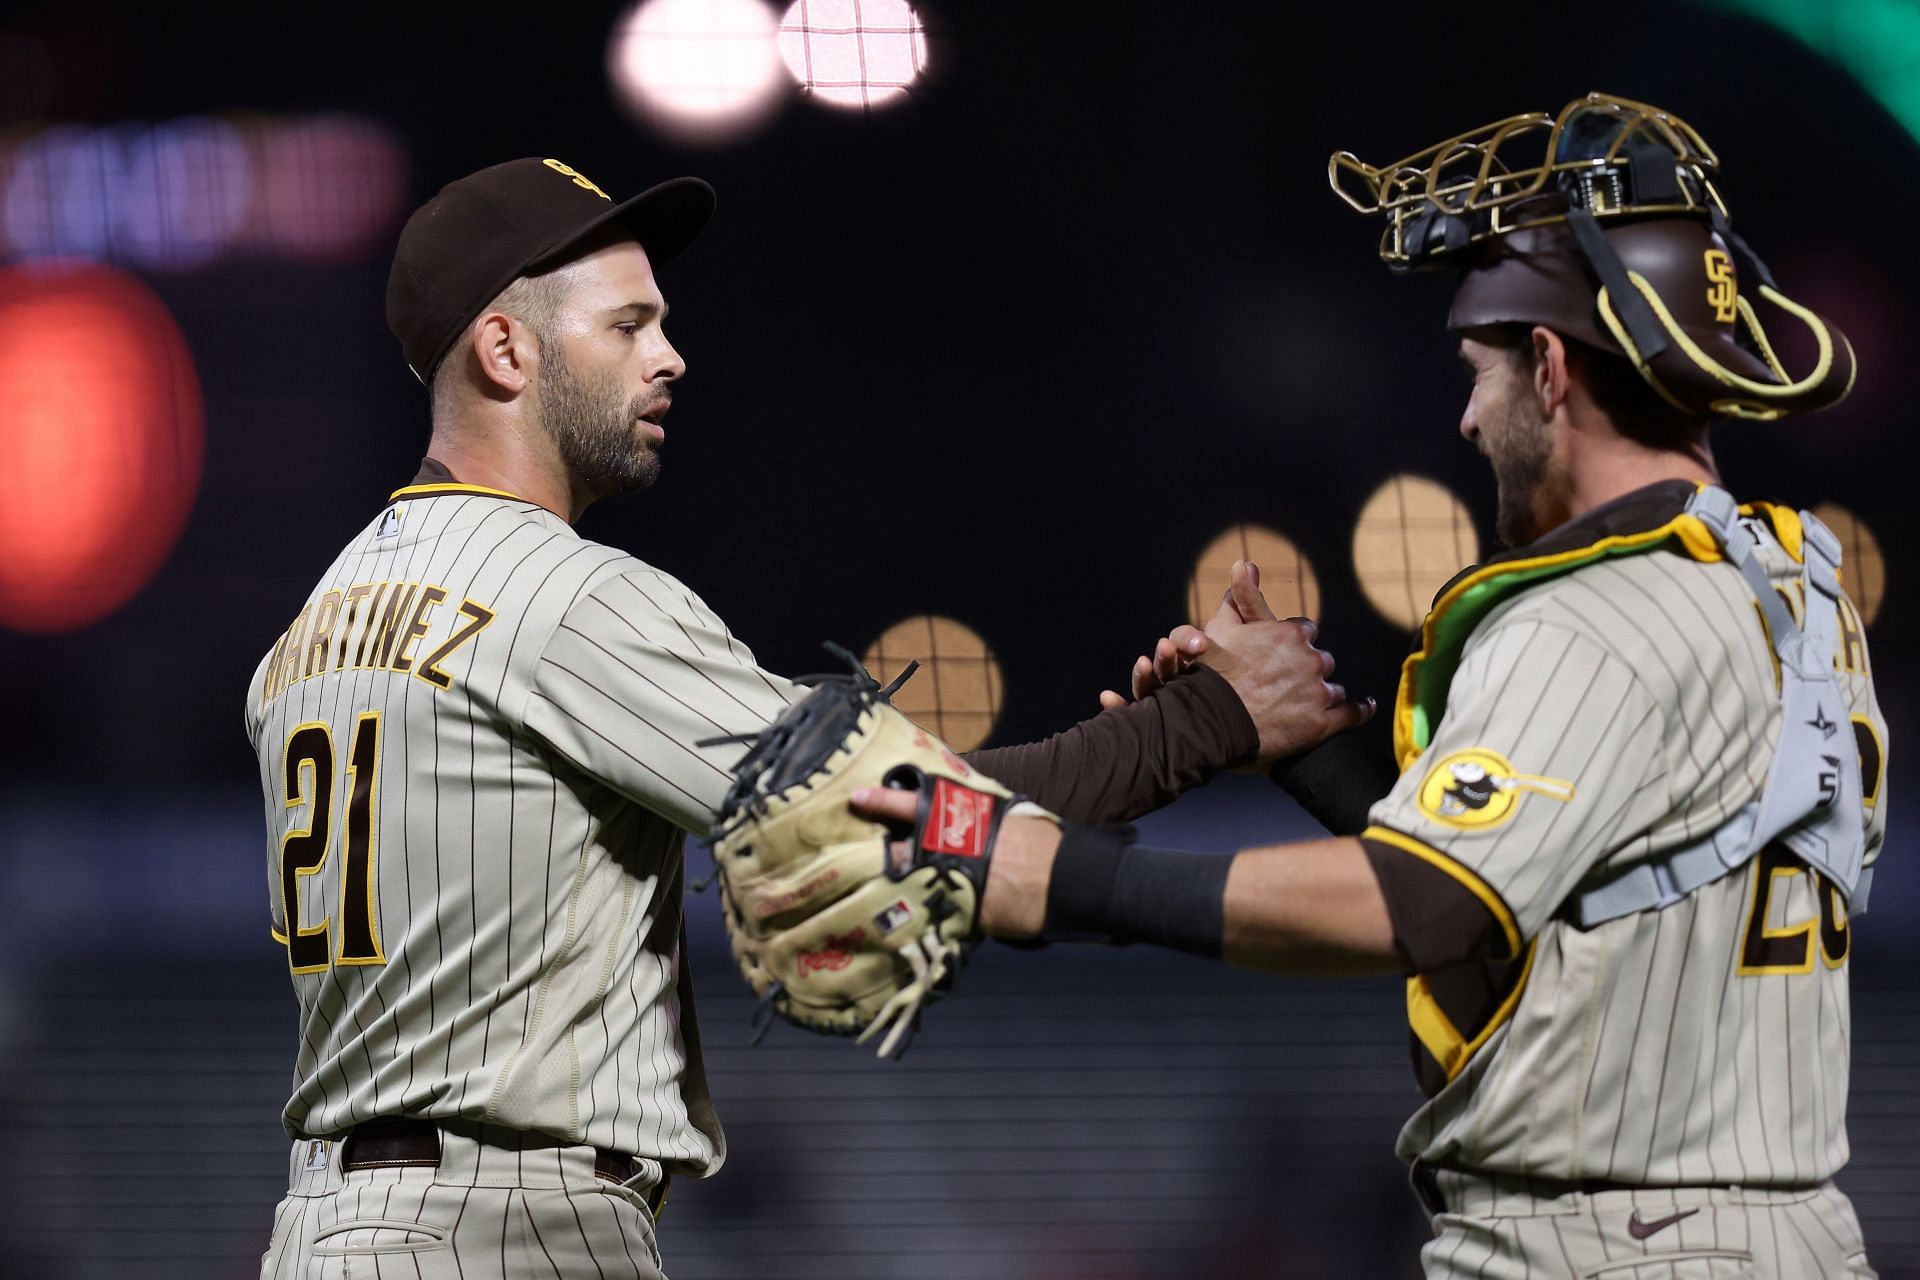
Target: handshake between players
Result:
[861, 860]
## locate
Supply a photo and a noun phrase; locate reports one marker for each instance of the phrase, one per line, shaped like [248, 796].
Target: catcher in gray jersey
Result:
[1640, 785]
[482, 739]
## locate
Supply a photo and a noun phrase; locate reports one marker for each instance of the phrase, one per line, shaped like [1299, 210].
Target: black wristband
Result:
[1106, 889]
[1080, 891]
[1172, 899]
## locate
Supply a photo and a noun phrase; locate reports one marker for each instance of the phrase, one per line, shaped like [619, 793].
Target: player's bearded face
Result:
[595, 425]
[1515, 438]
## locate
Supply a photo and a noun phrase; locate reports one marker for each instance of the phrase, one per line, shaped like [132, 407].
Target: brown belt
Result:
[397, 1143]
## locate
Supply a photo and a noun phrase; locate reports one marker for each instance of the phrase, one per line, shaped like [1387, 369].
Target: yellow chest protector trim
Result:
[1428, 671]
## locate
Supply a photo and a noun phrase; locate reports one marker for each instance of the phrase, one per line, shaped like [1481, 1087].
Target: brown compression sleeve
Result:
[1437, 921]
[1129, 761]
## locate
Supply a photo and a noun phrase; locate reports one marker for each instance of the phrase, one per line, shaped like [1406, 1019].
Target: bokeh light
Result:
[100, 442]
[59, 199]
[186, 193]
[187, 187]
[957, 691]
[1411, 537]
[853, 53]
[1286, 578]
[1863, 568]
[326, 188]
[697, 70]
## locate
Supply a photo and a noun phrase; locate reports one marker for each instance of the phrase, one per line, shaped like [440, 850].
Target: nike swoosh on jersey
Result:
[1641, 1230]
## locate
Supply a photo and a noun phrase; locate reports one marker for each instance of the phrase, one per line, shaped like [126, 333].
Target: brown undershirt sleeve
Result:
[1437, 921]
[1129, 761]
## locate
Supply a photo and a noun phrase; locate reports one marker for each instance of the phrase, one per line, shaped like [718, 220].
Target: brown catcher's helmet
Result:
[1604, 225]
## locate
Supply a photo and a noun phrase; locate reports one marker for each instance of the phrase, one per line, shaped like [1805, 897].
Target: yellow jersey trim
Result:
[1474, 884]
[1436, 1031]
[428, 490]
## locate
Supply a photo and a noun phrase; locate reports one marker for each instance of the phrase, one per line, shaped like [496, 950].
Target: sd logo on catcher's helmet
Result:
[1477, 788]
[1604, 223]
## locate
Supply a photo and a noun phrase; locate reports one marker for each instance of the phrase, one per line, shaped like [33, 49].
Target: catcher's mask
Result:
[1605, 225]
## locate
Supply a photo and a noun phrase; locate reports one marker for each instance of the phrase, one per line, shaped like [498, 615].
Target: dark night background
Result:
[1012, 352]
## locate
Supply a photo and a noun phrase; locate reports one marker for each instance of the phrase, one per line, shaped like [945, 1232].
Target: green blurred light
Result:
[1878, 41]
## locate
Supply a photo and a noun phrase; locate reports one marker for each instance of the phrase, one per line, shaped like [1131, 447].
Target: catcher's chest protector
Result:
[1811, 800]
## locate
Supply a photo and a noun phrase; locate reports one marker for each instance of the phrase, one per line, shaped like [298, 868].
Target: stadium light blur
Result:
[101, 437]
[326, 188]
[187, 193]
[853, 53]
[702, 71]
[1286, 577]
[1863, 566]
[1411, 537]
[959, 688]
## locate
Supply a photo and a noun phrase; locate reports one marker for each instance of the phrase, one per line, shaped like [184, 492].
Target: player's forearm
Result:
[1304, 908]
[1133, 759]
[1314, 907]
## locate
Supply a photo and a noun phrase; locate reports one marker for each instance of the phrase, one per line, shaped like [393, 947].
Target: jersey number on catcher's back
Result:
[1766, 948]
[309, 781]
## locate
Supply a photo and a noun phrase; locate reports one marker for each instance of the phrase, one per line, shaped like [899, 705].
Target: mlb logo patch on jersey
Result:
[317, 1152]
[893, 917]
[389, 526]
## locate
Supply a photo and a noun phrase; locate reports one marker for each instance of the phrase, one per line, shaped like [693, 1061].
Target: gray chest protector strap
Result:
[1811, 800]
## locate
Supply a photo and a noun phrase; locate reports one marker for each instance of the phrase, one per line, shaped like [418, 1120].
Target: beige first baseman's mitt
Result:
[826, 929]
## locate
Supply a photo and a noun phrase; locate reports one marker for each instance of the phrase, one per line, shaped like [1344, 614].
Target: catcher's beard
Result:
[593, 426]
[1522, 456]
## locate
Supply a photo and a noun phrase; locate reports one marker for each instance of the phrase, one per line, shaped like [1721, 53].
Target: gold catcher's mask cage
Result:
[1604, 224]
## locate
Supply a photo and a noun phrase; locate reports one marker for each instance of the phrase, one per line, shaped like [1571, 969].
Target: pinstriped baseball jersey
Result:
[1624, 709]
[477, 748]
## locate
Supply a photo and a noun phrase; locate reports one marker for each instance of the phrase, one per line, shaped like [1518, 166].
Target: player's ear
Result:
[1550, 375]
[507, 352]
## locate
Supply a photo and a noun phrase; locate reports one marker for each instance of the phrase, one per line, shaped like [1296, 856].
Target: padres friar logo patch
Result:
[1477, 788]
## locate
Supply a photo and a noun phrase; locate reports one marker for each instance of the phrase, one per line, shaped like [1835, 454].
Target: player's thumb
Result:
[1228, 614]
[1243, 590]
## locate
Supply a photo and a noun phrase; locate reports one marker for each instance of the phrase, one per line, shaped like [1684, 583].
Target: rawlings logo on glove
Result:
[828, 931]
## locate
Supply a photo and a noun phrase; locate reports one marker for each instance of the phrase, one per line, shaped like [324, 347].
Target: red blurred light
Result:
[101, 436]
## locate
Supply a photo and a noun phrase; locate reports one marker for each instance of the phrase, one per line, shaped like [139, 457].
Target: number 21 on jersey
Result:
[309, 784]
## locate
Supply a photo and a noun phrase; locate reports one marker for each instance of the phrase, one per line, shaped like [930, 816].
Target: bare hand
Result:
[1015, 902]
[1171, 655]
[1272, 663]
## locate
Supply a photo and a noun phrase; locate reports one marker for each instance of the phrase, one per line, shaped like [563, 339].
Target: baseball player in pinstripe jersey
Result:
[481, 740]
[1641, 765]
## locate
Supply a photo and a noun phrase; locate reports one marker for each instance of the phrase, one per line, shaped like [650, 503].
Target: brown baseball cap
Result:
[483, 232]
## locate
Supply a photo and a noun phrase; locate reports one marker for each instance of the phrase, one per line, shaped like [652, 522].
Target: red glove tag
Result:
[959, 820]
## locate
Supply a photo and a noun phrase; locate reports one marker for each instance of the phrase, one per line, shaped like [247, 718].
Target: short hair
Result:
[535, 301]
[1616, 388]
